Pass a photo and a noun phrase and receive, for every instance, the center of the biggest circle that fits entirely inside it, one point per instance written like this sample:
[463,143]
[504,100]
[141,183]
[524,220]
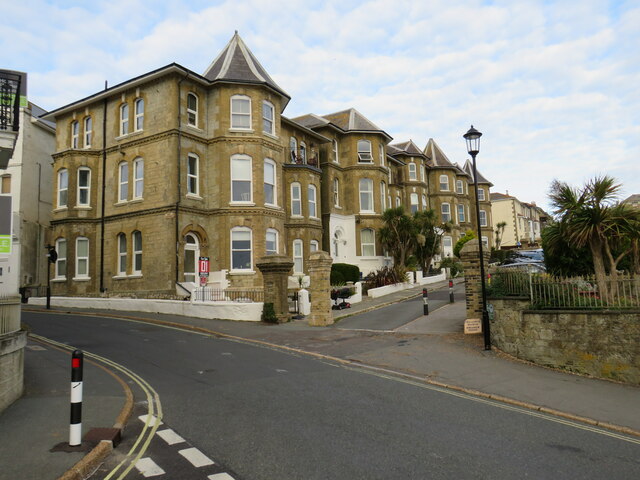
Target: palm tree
[428,233]
[499,232]
[591,217]
[398,234]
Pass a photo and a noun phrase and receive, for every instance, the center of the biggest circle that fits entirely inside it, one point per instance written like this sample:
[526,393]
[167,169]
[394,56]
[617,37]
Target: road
[259,413]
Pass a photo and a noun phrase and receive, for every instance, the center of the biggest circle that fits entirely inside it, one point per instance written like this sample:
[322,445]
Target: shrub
[336,277]
[269,313]
[350,273]
[454,264]
[462,241]
[386,276]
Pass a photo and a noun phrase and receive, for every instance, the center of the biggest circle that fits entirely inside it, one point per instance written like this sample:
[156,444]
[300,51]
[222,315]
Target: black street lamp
[473,147]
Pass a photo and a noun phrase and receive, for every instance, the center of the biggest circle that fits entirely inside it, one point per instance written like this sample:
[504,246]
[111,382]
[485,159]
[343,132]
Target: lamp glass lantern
[473,141]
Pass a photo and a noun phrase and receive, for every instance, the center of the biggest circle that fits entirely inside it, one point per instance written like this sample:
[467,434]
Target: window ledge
[120,277]
[271,205]
[243,204]
[60,209]
[81,279]
[136,200]
[195,127]
[83,207]
[59,279]
[367,212]
[242,130]
[271,135]
[242,272]
[194,196]
[131,134]
[296,216]
[135,275]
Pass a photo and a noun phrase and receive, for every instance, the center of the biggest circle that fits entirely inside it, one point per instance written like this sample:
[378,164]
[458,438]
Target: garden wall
[604,344]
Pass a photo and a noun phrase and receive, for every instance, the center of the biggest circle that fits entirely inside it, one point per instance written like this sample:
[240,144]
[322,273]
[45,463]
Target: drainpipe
[179,190]
[104,176]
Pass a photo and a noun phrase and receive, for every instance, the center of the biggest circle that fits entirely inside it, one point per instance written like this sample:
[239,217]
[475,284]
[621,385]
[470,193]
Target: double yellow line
[154,409]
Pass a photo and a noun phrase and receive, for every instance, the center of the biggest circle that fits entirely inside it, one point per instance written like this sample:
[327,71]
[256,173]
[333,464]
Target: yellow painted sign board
[472,325]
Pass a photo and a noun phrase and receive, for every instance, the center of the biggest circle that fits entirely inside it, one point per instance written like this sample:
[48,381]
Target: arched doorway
[191,255]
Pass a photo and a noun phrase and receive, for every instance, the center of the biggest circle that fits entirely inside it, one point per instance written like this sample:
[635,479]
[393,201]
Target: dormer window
[481,194]
[364,151]
[412,171]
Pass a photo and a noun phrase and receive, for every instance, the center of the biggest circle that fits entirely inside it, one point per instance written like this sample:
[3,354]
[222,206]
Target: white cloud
[553,85]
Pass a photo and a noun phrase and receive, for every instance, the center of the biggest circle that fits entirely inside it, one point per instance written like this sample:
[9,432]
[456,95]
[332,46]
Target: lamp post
[472,138]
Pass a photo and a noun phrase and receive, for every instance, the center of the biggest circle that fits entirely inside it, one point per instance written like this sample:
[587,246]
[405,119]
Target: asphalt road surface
[259,413]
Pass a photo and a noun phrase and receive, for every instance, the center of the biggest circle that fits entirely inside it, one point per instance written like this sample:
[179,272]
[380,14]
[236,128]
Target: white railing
[9,314]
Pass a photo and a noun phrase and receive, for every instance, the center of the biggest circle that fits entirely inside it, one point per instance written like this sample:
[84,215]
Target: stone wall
[604,344]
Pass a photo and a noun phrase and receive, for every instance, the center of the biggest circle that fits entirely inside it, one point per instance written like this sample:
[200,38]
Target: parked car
[533,267]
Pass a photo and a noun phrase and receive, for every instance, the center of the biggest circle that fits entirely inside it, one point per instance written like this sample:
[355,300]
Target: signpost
[203,271]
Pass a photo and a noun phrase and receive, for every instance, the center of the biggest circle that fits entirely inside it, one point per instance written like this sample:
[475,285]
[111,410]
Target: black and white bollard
[425,300]
[75,428]
[450,291]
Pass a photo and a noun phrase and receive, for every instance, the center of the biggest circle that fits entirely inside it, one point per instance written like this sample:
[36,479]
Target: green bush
[269,313]
[350,273]
[337,278]
[462,241]
[454,264]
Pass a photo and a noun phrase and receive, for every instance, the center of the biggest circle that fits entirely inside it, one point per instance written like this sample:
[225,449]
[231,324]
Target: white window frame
[447,245]
[138,114]
[83,188]
[445,215]
[485,241]
[422,179]
[124,119]
[63,188]
[365,189]
[398,202]
[296,199]
[381,154]
[368,249]
[461,216]
[481,194]
[444,185]
[270,170]
[413,173]
[61,262]
[298,256]
[75,134]
[122,254]
[274,234]
[239,160]
[483,218]
[336,158]
[136,260]
[383,196]
[364,153]
[293,149]
[241,230]
[424,202]
[193,178]
[268,120]
[79,259]
[123,184]
[414,204]
[336,192]
[192,113]
[459,187]
[312,198]
[194,247]
[236,116]
[314,246]
[88,131]
[138,178]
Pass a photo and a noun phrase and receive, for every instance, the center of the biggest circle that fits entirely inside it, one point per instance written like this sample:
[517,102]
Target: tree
[591,217]
[499,233]
[428,233]
[562,259]
[398,234]
[467,237]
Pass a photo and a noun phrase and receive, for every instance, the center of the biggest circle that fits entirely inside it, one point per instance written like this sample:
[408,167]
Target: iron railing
[10,86]
[546,291]
[240,295]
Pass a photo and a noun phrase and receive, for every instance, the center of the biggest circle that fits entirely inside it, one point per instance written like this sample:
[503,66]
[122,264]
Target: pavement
[430,349]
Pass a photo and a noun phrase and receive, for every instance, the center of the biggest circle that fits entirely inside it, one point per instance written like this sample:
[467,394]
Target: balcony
[11,95]
[311,160]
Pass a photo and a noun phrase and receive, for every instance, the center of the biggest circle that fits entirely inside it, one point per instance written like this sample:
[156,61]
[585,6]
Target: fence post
[75,427]
[425,301]
[530,286]
[450,291]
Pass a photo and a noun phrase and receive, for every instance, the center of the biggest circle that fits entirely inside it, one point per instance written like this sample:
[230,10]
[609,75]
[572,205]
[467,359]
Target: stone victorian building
[157,171]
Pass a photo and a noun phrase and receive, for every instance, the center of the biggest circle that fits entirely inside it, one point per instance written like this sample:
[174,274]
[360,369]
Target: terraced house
[157,171]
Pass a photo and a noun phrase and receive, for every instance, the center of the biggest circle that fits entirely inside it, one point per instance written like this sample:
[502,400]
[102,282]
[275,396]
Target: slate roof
[436,156]
[633,199]
[350,120]
[468,168]
[236,63]
[496,196]
[407,148]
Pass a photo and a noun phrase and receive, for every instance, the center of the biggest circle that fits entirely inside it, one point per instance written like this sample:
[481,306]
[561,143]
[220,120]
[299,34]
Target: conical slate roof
[468,168]
[236,63]
[408,148]
[436,156]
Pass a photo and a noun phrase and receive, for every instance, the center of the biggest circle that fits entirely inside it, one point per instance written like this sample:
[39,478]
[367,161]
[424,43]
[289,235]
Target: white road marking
[279,370]
[220,476]
[170,436]
[196,457]
[150,419]
[36,348]
[148,467]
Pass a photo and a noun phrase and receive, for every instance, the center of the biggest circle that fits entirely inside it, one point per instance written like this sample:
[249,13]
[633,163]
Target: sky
[554,86]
